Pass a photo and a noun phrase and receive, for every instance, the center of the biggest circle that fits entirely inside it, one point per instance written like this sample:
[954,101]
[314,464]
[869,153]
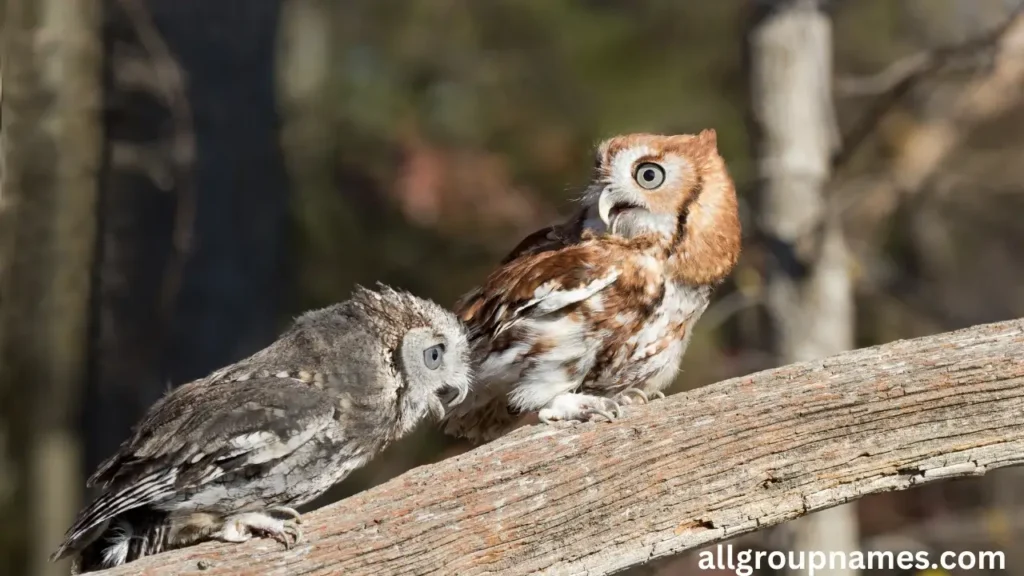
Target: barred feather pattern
[276,429]
[140,532]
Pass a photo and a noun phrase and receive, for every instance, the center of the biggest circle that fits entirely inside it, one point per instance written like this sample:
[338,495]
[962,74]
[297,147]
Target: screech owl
[231,455]
[597,311]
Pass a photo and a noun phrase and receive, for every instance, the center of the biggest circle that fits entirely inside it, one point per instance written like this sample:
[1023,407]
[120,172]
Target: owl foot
[242,527]
[579,407]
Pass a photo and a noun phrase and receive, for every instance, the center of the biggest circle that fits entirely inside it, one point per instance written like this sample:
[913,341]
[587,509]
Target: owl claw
[609,416]
[579,407]
[636,395]
[625,396]
[291,513]
[242,527]
[292,530]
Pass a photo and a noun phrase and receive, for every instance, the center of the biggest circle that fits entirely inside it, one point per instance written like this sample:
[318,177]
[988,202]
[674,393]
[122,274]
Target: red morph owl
[596,312]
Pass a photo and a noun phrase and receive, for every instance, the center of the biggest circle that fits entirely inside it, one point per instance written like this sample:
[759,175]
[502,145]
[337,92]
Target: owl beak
[446,398]
[451,396]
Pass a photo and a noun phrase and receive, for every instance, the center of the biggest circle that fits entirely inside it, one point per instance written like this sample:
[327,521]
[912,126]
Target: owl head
[427,348]
[646,183]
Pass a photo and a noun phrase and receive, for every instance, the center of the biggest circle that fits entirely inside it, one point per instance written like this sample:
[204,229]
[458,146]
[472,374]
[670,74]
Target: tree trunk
[194,203]
[811,299]
[680,473]
[51,135]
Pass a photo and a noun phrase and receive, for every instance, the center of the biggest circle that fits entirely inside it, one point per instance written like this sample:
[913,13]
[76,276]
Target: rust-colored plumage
[596,311]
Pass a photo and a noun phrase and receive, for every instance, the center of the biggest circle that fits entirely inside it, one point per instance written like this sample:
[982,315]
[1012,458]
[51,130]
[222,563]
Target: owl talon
[291,513]
[625,396]
[657,395]
[291,530]
[579,407]
[242,527]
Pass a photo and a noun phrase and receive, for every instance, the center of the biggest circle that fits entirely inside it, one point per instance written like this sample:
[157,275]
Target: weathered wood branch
[686,471]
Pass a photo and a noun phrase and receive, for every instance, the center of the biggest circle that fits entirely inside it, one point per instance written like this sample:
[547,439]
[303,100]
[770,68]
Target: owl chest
[647,349]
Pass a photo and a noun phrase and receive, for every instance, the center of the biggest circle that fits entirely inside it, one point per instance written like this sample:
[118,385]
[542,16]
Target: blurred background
[183,177]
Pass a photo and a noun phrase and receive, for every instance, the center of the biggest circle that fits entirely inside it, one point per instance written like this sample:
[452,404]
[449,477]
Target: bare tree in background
[950,185]
[193,207]
[809,293]
[145,213]
[7,480]
[51,137]
[135,263]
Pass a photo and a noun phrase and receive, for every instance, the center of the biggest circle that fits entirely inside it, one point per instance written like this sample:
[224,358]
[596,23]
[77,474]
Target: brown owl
[597,311]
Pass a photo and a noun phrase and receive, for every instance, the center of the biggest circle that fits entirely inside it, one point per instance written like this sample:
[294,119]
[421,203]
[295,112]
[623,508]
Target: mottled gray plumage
[232,454]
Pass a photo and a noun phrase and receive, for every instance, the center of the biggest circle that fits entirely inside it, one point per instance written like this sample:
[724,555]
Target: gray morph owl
[231,455]
[596,312]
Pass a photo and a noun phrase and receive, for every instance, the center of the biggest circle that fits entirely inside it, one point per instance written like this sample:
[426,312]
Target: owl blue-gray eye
[649,175]
[432,356]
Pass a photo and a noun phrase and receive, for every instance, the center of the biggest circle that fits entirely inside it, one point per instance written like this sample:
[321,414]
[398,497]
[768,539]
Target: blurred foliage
[474,135]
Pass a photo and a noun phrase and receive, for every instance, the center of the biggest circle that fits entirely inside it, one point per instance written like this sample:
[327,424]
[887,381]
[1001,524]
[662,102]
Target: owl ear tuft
[709,138]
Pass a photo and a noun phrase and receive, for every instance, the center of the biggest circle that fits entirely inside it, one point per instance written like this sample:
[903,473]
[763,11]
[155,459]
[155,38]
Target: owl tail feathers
[126,537]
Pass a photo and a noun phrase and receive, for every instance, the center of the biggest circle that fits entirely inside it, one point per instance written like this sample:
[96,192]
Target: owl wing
[537,284]
[198,433]
[551,238]
[591,275]
[542,240]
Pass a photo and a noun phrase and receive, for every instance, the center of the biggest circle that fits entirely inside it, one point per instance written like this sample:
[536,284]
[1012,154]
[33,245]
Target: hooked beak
[448,397]
[611,203]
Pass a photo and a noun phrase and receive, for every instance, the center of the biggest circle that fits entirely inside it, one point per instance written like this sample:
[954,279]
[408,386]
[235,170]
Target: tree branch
[898,79]
[686,471]
[171,164]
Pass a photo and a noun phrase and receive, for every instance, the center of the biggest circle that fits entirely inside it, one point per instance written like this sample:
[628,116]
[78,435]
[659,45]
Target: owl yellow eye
[649,175]
[432,356]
